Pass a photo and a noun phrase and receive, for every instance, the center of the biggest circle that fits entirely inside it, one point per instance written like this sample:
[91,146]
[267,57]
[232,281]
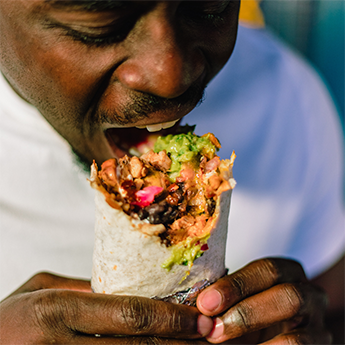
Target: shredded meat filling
[183,207]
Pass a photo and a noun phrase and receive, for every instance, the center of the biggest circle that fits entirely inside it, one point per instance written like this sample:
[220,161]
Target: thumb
[46,280]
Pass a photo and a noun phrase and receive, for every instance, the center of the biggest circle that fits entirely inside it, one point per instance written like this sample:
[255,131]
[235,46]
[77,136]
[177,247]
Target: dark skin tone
[332,281]
[86,69]
[85,66]
[269,301]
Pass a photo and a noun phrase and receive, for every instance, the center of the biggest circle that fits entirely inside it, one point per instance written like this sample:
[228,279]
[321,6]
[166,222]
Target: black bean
[169,215]
[161,196]
[167,211]
[179,194]
[142,213]
[154,219]
[211,206]
[155,209]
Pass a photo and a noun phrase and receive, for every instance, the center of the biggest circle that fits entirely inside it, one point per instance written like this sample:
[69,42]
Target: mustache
[141,105]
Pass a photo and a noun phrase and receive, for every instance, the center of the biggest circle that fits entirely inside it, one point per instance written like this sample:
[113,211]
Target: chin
[81,162]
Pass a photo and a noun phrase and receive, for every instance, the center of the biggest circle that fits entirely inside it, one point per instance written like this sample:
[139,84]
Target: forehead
[41,6]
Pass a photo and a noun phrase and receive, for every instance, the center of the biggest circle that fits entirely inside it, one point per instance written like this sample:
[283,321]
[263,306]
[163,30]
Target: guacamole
[186,148]
[186,252]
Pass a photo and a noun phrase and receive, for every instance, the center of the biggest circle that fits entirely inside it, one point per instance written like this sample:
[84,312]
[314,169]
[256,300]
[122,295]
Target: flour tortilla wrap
[130,257]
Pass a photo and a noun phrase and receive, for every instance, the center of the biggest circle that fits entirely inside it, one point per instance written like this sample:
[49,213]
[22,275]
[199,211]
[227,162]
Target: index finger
[91,313]
[257,276]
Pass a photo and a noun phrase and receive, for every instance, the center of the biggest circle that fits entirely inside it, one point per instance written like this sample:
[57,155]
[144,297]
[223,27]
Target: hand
[270,297]
[52,309]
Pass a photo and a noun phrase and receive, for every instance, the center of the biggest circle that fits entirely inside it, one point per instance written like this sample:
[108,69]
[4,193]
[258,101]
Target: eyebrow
[88,5]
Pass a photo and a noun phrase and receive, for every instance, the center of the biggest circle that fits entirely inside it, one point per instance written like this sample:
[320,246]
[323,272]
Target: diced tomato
[204,247]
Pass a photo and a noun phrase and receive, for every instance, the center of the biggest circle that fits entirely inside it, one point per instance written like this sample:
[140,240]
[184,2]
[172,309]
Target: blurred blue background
[316,29]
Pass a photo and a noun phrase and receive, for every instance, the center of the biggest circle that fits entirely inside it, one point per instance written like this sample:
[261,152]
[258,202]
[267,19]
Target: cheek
[46,70]
[65,72]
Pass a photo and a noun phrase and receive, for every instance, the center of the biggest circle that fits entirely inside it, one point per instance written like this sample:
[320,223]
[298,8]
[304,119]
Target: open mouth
[136,141]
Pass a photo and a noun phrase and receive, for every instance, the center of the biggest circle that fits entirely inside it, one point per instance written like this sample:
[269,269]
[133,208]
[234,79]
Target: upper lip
[157,110]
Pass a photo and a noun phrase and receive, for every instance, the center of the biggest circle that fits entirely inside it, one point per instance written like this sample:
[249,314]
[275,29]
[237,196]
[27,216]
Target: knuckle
[43,307]
[239,286]
[144,317]
[268,272]
[175,322]
[243,316]
[263,272]
[293,299]
[49,313]
[270,265]
[137,317]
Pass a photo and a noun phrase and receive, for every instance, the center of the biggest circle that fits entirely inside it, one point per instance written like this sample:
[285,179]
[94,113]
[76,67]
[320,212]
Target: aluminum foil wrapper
[188,296]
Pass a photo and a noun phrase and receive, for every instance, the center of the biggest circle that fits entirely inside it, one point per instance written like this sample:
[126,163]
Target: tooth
[168,124]
[158,126]
[134,152]
[154,128]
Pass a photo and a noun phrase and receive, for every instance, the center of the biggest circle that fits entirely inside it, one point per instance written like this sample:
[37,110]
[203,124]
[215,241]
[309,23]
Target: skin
[269,301]
[272,295]
[49,309]
[332,281]
[162,60]
[84,88]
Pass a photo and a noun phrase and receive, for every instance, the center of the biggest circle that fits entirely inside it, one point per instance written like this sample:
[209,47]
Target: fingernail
[211,300]
[217,331]
[205,325]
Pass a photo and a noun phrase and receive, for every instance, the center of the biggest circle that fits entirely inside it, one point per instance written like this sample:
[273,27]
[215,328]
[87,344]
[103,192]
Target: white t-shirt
[270,107]
[46,204]
[266,104]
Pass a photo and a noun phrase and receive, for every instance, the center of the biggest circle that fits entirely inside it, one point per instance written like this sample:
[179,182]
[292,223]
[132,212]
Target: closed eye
[96,36]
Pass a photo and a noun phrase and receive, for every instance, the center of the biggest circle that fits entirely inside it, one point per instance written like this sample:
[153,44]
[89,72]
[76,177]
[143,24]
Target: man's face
[92,66]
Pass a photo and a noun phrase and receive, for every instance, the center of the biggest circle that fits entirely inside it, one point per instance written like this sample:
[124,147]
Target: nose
[160,62]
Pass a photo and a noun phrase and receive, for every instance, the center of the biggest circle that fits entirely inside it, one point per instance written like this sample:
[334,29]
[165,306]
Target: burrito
[162,219]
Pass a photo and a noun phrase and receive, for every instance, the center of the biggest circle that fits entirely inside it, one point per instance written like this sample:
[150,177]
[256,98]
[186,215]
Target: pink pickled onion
[146,195]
